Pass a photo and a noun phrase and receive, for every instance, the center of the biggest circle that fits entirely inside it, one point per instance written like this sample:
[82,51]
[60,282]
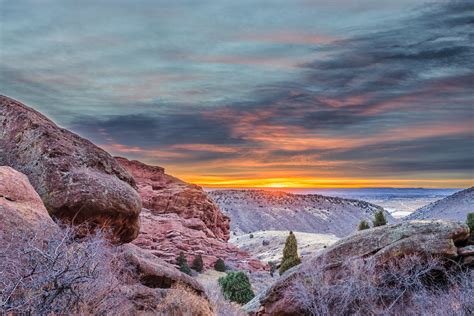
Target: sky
[295,93]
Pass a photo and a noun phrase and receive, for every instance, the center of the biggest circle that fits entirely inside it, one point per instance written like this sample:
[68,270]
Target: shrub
[290,254]
[198,264]
[273,267]
[251,236]
[236,287]
[220,265]
[182,300]
[182,262]
[363,225]
[411,285]
[379,219]
[470,223]
[48,273]
[219,304]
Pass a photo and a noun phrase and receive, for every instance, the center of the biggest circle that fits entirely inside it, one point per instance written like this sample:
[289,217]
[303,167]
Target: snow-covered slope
[268,245]
[257,210]
[453,207]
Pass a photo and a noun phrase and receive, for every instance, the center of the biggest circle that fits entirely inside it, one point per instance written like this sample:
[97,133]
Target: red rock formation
[21,208]
[165,194]
[179,216]
[76,180]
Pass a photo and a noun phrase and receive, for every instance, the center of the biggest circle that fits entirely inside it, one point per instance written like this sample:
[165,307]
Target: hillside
[268,245]
[454,207]
[257,210]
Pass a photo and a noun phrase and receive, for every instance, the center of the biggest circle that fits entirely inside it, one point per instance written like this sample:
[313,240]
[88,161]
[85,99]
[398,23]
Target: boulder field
[178,216]
[76,180]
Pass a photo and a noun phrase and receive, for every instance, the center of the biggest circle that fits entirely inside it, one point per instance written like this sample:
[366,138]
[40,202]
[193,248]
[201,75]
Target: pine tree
[236,287]
[198,264]
[182,262]
[470,223]
[363,225]
[379,219]
[290,254]
[220,265]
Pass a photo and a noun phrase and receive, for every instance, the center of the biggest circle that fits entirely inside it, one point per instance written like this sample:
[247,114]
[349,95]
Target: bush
[251,236]
[220,305]
[273,267]
[290,254]
[48,273]
[409,286]
[236,287]
[470,223]
[379,219]
[198,264]
[182,262]
[363,225]
[220,265]
[182,300]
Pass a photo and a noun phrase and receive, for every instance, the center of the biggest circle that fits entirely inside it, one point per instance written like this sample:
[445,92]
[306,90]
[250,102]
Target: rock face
[181,217]
[23,214]
[453,207]
[165,194]
[259,210]
[21,208]
[76,180]
[376,246]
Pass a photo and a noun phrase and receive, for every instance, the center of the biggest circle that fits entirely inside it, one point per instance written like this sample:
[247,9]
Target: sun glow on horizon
[326,183]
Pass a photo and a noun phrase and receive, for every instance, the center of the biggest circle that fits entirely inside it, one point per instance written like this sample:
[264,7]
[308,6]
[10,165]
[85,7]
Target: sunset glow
[298,94]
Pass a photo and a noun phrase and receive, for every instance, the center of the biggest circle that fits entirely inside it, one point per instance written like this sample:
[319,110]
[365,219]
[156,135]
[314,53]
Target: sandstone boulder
[376,246]
[77,181]
[21,208]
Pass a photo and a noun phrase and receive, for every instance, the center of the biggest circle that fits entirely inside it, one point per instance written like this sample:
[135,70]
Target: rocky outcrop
[454,207]
[153,272]
[165,194]
[181,217]
[378,246]
[21,208]
[145,280]
[77,181]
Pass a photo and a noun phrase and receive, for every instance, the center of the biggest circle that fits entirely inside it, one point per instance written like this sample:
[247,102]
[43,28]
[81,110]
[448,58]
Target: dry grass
[183,301]
[53,273]
[409,286]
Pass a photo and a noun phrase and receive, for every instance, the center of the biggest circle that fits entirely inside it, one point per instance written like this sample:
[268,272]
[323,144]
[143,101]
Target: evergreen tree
[290,254]
[182,262]
[379,219]
[363,225]
[198,264]
[236,287]
[220,265]
[470,223]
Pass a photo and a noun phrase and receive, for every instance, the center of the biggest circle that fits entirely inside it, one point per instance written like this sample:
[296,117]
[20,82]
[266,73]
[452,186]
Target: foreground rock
[21,208]
[376,246]
[144,281]
[454,207]
[259,210]
[181,217]
[76,180]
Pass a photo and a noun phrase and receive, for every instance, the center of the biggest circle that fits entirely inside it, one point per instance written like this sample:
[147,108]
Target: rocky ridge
[453,207]
[259,210]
